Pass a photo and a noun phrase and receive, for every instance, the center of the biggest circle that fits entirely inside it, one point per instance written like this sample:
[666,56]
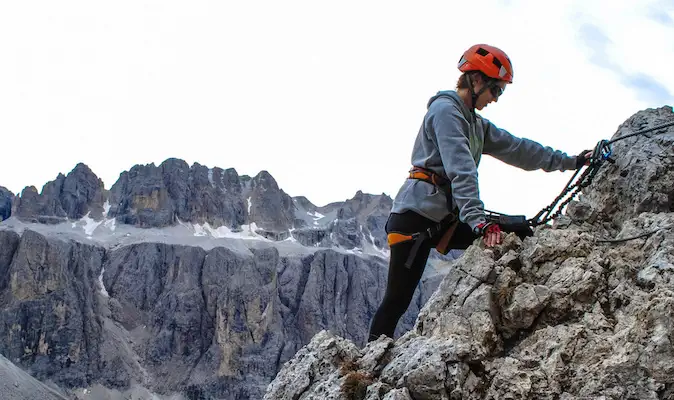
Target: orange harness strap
[395,238]
[429,176]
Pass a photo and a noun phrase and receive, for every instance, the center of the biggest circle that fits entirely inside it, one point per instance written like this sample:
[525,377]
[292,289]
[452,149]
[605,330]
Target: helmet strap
[473,95]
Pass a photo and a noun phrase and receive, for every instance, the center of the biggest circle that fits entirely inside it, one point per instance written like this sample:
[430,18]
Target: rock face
[149,196]
[582,310]
[353,224]
[6,198]
[642,178]
[16,384]
[177,319]
[68,197]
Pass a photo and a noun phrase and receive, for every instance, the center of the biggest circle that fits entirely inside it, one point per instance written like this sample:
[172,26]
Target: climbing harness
[601,153]
[445,227]
[431,177]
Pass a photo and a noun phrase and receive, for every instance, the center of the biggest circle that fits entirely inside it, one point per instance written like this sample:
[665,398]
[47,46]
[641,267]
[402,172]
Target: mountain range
[183,280]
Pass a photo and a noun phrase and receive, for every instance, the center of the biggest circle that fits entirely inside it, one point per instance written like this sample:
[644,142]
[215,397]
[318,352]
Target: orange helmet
[491,60]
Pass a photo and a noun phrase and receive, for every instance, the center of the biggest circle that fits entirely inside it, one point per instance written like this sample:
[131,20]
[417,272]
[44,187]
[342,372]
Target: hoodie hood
[452,95]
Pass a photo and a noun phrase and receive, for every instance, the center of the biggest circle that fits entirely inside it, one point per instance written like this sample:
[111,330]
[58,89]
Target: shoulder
[445,106]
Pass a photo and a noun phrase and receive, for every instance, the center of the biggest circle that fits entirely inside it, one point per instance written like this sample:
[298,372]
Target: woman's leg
[402,281]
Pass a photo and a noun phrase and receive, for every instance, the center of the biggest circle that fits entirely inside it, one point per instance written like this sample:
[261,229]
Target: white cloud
[216,82]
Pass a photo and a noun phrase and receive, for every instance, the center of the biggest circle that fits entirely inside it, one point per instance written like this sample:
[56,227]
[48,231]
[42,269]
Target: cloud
[661,17]
[648,89]
[659,12]
[597,41]
[645,86]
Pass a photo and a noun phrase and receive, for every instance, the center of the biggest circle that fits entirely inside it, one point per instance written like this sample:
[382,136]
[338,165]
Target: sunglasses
[496,90]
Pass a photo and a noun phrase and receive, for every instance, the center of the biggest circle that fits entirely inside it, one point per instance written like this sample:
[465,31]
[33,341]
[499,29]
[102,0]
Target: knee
[395,305]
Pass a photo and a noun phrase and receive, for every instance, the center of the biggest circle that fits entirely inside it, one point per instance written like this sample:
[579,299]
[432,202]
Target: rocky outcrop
[581,310]
[74,196]
[642,178]
[6,198]
[367,211]
[269,206]
[158,196]
[357,223]
[48,305]
[16,384]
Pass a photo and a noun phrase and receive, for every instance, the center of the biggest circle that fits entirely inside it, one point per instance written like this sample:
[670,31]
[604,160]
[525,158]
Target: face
[490,95]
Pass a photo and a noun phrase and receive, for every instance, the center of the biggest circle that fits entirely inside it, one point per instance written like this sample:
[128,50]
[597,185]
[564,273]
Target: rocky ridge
[581,310]
[217,202]
[181,282]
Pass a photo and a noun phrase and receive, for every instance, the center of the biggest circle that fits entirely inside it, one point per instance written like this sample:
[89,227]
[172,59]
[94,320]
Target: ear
[477,81]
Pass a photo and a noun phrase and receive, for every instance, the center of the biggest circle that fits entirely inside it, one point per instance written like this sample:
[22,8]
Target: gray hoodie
[450,142]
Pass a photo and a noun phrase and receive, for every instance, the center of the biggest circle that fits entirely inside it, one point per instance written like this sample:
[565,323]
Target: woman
[443,184]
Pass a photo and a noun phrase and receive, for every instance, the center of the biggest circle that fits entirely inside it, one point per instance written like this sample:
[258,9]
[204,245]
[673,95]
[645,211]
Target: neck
[465,96]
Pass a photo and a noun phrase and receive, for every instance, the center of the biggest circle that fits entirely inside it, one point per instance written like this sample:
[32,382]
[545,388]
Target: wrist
[485,228]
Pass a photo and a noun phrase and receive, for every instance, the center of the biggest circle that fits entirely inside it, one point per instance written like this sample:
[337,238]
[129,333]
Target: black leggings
[403,281]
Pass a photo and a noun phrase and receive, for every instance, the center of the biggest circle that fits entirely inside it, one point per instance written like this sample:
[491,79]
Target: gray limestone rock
[270,207]
[150,196]
[49,302]
[16,384]
[6,198]
[355,224]
[73,196]
[642,178]
[581,310]
[174,319]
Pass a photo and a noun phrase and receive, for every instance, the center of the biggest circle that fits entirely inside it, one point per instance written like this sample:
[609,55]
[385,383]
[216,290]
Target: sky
[327,97]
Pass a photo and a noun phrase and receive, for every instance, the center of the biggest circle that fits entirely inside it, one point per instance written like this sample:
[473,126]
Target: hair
[462,84]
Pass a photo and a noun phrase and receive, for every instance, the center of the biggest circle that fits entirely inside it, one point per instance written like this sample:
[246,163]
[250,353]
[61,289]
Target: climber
[438,205]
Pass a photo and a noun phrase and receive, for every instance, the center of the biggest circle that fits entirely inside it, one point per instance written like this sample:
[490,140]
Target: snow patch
[90,224]
[104,292]
[371,237]
[355,250]
[316,214]
[199,230]
[247,232]
[210,177]
[382,251]
[110,224]
[290,237]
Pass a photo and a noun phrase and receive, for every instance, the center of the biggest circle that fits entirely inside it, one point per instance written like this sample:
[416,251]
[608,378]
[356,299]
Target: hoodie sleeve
[446,126]
[523,153]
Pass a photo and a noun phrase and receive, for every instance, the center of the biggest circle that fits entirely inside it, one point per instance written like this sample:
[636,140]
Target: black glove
[512,223]
[583,159]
